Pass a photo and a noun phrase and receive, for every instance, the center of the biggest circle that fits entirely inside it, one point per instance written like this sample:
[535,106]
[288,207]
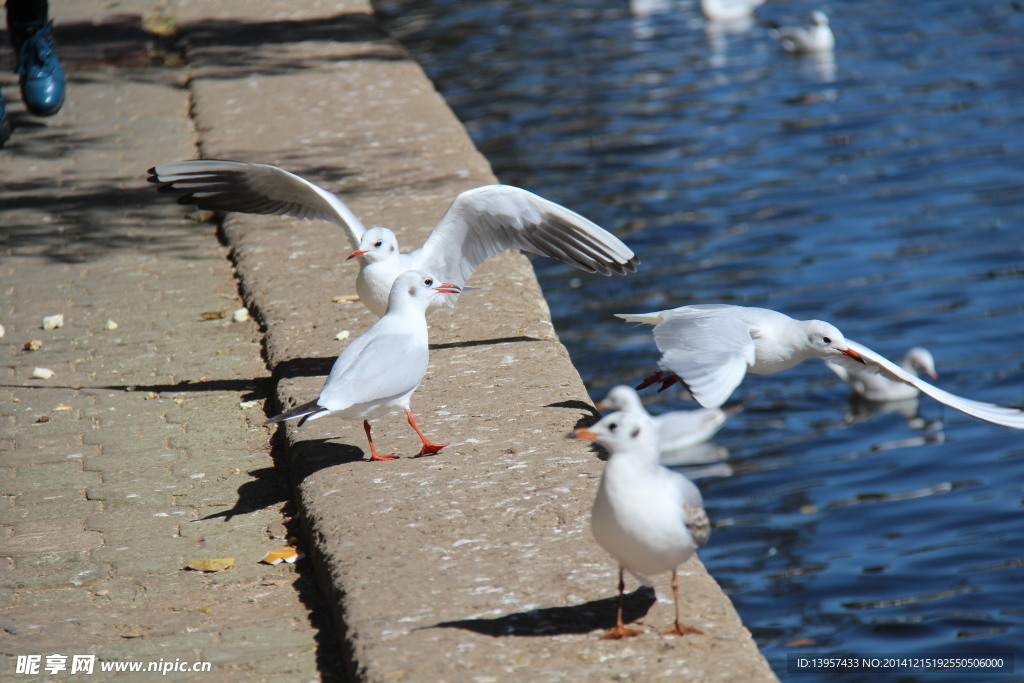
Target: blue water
[883,192]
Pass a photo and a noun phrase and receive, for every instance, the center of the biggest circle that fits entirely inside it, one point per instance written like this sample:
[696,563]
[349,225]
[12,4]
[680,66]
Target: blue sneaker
[40,74]
[5,125]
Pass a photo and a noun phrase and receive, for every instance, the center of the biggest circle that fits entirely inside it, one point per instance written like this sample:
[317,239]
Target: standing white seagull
[874,386]
[379,371]
[710,348]
[678,429]
[480,223]
[649,518]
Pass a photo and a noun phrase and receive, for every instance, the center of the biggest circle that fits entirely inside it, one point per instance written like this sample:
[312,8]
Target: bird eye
[826,340]
[378,243]
[612,427]
[428,282]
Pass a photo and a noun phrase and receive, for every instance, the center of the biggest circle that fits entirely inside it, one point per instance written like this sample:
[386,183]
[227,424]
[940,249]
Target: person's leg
[39,72]
[27,11]
[5,125]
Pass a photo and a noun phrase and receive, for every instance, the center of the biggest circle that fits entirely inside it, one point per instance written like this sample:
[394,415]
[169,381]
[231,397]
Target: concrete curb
[476,564]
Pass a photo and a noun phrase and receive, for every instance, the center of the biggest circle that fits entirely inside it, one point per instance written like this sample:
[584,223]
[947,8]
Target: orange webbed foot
[620,632]
[430,449]
[678,629]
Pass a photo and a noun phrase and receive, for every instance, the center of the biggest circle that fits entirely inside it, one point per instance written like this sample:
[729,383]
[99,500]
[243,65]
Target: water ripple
[881,191]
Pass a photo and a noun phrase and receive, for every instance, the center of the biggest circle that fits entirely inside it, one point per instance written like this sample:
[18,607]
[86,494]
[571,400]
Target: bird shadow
[304,367]
[554,621]
[251,389]
[266,488]
[591,416]
[309,456]
[482,342]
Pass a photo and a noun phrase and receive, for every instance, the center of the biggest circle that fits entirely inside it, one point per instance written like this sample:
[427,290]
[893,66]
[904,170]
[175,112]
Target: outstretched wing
[487,220]
[709,352]
[990,412]
[253,188]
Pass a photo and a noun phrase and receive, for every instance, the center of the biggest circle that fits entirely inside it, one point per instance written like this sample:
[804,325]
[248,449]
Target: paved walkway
[144,450]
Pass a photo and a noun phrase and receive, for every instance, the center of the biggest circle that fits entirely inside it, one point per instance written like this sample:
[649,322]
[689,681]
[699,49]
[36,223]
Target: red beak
[448,288]
[582,433]
[357,253]
[850,353]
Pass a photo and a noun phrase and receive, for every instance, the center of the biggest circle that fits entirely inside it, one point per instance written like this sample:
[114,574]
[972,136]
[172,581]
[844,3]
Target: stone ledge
[478,562]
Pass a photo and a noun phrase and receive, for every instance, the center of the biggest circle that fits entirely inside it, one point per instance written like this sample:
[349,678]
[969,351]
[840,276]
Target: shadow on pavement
[552,621]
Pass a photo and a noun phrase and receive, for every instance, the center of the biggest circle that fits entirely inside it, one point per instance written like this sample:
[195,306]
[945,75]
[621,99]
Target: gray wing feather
[218,185]
[694,515]
[304,411]
[486,221]
[698,524]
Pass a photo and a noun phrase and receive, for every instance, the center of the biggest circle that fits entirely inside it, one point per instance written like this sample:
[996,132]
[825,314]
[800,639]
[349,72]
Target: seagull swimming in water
[875,386]
[480,223]
[677,430]
[815,38]
[729,10]
[379,371]
[710,348]
[649,518]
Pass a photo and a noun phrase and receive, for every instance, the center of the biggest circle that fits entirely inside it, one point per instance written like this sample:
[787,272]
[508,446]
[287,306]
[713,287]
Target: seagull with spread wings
[710,348]
[480,223]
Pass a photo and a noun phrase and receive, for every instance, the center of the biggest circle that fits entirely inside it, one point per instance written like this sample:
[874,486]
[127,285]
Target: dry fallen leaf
[160,24]
[151,395]
[62,407]
[52,322]
[347,298]
[214,315]
[211,565]
[288,554]
[43,418]
[33,345]
[245,405]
